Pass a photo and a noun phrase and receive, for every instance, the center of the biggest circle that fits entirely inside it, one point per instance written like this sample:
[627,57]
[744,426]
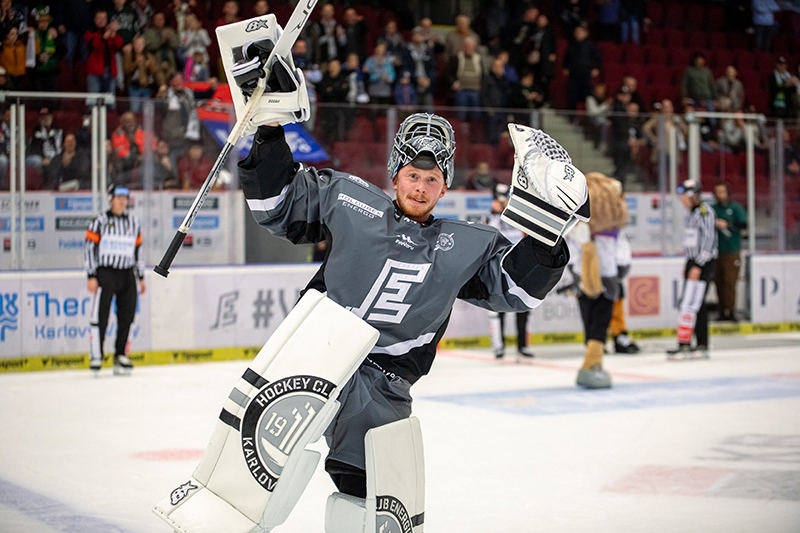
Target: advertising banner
[48,313]
[774,290]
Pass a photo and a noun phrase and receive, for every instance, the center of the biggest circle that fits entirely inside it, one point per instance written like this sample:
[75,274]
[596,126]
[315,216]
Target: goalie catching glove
[246,56]
[548,194]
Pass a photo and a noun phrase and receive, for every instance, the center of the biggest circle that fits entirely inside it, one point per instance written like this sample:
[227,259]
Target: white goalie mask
[424,132]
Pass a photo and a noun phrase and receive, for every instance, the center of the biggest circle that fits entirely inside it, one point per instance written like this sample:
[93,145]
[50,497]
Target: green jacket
[730,240]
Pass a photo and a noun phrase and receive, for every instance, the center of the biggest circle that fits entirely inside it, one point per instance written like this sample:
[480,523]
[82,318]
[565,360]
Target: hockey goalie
[343,362]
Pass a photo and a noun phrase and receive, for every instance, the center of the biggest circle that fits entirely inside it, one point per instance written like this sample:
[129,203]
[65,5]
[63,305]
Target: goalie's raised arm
[548,194]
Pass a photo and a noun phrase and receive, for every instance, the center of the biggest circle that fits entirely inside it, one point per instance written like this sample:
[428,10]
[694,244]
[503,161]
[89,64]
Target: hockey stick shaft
[282,47]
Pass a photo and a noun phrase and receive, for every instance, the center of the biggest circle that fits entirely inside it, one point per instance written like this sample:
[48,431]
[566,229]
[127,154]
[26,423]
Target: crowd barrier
[221,313]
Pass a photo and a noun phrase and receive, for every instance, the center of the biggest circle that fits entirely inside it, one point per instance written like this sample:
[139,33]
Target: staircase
[584,155]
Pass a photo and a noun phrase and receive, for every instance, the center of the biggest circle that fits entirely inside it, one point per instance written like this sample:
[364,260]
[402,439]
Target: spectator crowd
[508,60]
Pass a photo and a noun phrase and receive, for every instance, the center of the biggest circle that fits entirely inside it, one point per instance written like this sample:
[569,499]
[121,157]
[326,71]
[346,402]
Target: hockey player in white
[398,270]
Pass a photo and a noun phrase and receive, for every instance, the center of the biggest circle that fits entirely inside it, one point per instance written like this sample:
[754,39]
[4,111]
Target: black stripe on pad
[541,204]
[254,379]
[230,419]
[418,519]
[534,228]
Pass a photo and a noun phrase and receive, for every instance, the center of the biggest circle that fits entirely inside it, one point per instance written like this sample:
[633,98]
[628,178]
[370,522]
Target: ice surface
[710,446]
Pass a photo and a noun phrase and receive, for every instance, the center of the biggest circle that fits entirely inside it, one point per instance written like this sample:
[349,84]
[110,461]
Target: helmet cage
[424,132]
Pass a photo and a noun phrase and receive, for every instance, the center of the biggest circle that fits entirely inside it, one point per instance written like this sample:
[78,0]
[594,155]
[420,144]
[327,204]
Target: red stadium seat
[679,57]
[731,167]
[377,153]
[612,74]
[479,152]
[740,41]
[674,15]
[610,52]
[361,130]
[709,166]
[721,58]
[715,17]
[717,40]
[697,40]
[751,79]
[634,53]
[744,59]
[674,38]
[655,12]
[660,76]
[656,55]
[695,16]
[655,36]
[350,154]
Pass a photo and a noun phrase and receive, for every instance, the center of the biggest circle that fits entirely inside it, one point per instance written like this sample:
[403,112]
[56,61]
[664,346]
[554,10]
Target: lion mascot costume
[600,257]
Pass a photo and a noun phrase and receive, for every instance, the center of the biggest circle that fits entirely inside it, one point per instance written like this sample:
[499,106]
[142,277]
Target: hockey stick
[283,47]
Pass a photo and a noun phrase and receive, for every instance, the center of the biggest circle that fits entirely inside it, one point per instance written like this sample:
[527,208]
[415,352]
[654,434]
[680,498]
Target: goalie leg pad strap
[282,402]
[693,294]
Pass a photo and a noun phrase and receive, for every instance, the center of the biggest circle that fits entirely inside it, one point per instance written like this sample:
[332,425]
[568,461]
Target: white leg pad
[395,500]
[395,477]
[255,466]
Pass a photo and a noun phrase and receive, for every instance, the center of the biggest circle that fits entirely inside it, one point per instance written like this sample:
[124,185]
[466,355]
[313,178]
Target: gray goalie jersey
[400,276]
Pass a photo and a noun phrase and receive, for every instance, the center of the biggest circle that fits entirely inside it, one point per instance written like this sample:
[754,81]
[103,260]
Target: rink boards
[223,313]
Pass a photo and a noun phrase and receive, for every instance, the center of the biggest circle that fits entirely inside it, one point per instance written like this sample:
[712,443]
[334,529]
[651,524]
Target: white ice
[707,446]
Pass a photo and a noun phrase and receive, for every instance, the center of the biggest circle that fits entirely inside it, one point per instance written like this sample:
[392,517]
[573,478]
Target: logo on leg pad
[275,420]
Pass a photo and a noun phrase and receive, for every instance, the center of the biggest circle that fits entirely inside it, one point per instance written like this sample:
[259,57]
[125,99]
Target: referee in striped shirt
[700,247]
[113,263]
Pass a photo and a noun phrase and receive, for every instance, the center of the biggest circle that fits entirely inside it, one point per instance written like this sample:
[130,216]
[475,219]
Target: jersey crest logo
[445,242]
[385,301]
[255,25]
[569,173]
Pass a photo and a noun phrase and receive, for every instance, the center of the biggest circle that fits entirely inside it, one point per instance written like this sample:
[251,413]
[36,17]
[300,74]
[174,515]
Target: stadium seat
[751,79]
[721,58]
[350,154]
[655,12]
[697,40]
[680,57]
[717,40]
[660,76]
[655,36]
[675,15]
[715,17]
[656,55]
[740,41]
[744,59]
[479,152]
[674,38]
[731,166]
[610,52]
[695,16]
[361,130]
[633,53]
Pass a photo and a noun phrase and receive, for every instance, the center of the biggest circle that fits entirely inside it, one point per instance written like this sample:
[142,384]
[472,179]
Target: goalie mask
[424,133]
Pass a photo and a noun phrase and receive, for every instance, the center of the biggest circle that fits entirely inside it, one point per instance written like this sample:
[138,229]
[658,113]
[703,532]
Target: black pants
[596,315]
[122,284]
[701,323]
[522,328]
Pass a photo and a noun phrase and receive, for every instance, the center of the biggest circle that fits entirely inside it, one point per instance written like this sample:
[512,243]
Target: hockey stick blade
[283,47]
